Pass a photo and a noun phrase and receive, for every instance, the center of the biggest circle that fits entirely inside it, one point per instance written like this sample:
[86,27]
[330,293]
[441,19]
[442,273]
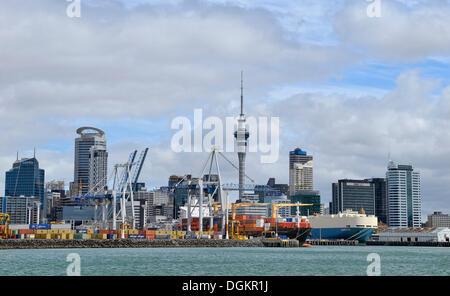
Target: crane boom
[275,207]
[138,168]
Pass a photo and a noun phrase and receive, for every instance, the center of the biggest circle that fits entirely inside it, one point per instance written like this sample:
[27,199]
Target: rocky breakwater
[125,243]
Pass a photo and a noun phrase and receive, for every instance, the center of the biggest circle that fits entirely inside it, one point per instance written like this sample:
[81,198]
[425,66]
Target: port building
[21,209]
[435,234]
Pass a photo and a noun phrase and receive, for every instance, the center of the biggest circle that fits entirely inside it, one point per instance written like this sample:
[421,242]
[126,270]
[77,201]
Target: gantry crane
[4,220]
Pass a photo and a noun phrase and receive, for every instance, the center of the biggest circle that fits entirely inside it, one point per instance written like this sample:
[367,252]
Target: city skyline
[347,99]
[296,156]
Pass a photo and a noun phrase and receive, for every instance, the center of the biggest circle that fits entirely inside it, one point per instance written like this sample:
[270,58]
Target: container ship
[243,227]
[290,228]
[348,225]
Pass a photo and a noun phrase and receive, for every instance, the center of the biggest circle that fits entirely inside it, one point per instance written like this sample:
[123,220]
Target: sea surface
[314,261]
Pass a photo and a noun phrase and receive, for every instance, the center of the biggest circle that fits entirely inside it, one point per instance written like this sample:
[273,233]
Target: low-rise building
[437,219]
[439,234]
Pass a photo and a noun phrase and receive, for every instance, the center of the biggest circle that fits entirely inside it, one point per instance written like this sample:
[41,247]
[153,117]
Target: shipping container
[18,226]
[40,226]
[60,226]
[79,236]
[26,231]
[136,236]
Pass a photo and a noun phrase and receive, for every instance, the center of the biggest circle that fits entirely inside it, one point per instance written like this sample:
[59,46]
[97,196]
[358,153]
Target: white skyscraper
[404,197]
[98,168]
[90,152]
[300,171]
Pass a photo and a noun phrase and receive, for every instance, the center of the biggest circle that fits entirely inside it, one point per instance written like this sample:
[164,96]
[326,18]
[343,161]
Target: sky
[351,90]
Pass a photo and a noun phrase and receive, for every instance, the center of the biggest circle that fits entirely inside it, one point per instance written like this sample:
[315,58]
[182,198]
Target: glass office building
[404,196]
[353,195]
[25,178]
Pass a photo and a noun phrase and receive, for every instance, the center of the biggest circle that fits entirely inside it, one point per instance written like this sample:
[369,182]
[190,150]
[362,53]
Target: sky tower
[241,135]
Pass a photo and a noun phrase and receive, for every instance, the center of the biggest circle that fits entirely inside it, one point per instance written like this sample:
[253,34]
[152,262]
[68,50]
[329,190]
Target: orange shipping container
[26,231]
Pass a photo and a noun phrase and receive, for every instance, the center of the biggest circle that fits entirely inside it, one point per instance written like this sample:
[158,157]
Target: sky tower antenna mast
[241,135]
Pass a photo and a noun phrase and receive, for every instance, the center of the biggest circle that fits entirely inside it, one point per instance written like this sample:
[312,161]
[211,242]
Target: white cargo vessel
[348,225]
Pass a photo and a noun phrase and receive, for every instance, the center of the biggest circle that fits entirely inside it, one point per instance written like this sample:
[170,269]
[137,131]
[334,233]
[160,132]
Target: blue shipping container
[40,226]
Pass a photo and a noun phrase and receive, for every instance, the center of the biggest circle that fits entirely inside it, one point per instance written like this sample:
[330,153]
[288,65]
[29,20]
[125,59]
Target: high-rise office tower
[24,191]
[380,198]
[25,178]
[300,171]
[98,168]
[91,159]
[353,195]
[241,135]
[404,197]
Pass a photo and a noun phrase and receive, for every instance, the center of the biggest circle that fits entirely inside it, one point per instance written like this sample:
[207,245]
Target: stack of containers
[150,234]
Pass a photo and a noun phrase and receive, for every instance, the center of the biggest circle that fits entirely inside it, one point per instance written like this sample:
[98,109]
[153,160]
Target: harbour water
[314,261]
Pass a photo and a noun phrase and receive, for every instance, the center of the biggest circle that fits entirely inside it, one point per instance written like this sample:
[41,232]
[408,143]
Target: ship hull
[300,234]
[354,233]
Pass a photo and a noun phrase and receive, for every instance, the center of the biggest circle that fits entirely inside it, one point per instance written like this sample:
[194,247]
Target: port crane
[4,221]
[276,206]
[220,207]
[124,179]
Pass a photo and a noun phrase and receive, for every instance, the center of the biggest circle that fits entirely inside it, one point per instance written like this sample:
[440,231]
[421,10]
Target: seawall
[125,243]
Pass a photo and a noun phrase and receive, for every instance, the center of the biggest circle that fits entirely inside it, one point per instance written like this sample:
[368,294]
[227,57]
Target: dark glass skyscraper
[25,179]
[353,195]
[306,197]
[380,199]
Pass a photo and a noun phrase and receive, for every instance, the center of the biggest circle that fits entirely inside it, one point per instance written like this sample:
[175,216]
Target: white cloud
[351,137]
[401,33]
[161,61]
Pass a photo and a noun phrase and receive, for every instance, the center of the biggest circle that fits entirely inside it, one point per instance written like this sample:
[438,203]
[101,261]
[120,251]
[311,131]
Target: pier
[281,243]
[317,242]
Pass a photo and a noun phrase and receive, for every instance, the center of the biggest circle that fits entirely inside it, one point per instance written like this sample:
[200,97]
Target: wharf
[278,243]
[410,244]
[317,242]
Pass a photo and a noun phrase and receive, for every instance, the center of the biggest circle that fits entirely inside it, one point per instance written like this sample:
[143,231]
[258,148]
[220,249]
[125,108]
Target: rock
[125,243]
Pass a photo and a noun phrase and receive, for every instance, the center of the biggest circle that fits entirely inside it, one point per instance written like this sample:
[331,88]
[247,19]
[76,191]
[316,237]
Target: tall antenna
[242,93]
